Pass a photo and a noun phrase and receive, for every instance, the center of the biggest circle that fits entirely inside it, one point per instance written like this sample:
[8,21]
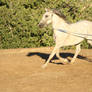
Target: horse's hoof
[44,66]
[65,61]
[72,62]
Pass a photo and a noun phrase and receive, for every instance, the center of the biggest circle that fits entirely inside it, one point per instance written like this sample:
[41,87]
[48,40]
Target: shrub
[19,21]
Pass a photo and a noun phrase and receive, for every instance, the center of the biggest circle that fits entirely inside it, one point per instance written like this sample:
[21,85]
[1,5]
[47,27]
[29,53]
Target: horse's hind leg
[76,53]
[63,61]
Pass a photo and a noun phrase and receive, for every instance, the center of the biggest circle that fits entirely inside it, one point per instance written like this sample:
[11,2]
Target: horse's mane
[60,14]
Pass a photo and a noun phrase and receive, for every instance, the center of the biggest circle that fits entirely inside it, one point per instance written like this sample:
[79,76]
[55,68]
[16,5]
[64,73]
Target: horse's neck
[59,23]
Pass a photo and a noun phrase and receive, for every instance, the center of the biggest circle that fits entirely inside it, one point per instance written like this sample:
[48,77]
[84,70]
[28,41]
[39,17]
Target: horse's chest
[59,36]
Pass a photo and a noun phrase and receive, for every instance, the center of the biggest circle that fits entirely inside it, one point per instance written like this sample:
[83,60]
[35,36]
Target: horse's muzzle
[41,25]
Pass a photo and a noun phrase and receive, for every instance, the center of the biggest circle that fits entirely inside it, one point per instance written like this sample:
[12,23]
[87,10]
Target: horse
[62,33]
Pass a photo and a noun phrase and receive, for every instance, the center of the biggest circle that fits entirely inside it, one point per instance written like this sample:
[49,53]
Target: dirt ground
[21,71]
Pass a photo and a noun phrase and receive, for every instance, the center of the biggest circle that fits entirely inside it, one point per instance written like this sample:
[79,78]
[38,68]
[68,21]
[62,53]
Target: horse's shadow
[63,55]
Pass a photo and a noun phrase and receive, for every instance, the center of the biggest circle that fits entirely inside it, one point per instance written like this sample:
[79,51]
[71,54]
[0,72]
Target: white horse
[59,24]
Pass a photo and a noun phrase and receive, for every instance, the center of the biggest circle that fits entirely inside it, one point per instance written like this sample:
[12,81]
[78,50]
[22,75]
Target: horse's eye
[46,16]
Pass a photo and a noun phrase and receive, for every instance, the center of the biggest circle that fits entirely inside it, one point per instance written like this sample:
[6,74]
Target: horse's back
[80,27]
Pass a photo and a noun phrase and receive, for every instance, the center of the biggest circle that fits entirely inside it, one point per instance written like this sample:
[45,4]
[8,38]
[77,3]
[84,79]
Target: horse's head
[46,19]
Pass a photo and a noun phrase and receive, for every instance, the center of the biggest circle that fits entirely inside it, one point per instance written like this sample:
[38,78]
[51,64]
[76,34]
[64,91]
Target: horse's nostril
[40,25]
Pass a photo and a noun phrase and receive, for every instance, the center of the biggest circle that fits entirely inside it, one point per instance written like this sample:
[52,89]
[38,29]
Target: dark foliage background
[19,21]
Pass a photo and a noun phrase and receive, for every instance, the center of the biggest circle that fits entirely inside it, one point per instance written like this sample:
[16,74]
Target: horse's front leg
[76,53]
[50,57]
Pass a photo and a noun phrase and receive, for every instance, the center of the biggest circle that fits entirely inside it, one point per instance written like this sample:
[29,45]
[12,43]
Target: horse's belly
[68,40]
[73,40]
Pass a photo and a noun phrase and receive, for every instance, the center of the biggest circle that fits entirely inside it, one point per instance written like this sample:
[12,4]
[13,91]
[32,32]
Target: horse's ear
[47,9]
